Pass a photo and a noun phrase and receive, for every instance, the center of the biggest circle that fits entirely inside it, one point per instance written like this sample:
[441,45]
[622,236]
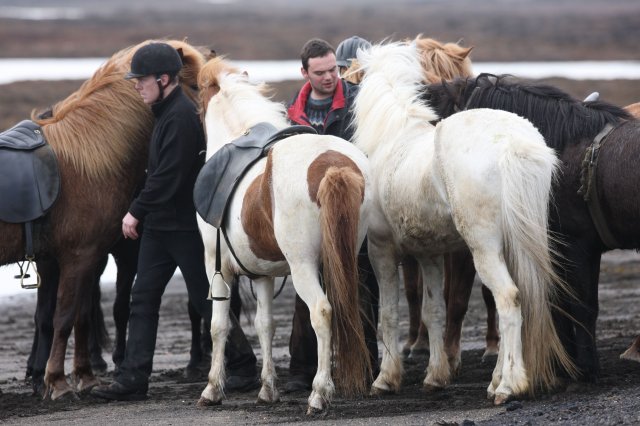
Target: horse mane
[560,118]
[443,60]
[105,122]
[227,95]
[389,95]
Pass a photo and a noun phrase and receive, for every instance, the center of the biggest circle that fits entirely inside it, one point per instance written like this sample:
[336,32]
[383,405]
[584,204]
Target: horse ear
[465,52]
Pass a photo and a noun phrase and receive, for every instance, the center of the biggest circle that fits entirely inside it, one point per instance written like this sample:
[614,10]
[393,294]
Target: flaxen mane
[105,120]
[443,61]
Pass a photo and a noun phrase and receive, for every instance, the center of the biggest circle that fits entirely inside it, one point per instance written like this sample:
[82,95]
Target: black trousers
[303,345]
[160,253]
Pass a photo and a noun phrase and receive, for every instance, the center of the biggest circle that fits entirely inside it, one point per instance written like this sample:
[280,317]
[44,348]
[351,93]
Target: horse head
[443,60]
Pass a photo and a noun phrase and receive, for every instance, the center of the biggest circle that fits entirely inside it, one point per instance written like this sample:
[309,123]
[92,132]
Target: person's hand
[129,225]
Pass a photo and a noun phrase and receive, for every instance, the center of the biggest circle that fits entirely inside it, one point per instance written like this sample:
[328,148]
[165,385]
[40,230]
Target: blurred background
[501,31]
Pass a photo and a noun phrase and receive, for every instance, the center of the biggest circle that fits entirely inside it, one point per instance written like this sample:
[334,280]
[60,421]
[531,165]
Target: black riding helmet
[155,59]
[347,50]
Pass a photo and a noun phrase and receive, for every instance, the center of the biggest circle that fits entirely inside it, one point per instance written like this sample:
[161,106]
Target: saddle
[30,181]
[220,175]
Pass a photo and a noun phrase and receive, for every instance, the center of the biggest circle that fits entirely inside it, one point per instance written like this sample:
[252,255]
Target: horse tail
[526,181]
[340,196]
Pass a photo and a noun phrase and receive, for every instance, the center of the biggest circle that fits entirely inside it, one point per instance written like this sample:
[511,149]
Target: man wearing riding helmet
[170,236]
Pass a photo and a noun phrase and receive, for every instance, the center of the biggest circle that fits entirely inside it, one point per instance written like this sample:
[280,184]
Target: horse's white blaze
[481,178]
[294,224]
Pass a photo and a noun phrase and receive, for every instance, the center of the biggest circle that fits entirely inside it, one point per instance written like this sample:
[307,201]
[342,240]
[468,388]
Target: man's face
[322,74]
[148,88]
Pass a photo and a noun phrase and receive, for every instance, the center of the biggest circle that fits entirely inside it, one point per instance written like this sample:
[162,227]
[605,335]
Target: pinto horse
[306,204]
[479,178]
[570,127]
[100,136]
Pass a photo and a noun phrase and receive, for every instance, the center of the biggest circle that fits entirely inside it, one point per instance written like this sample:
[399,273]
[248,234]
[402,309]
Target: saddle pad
[219,176]
[30,181]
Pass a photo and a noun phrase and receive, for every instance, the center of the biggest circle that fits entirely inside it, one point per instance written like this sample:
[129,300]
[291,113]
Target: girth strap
[589,187]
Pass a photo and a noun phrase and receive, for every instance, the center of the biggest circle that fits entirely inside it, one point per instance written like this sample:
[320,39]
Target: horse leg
[45,308]
[75,272]
[434,312]
[98,336]
[459,275]
[581,272]
[493,336]
[125,255]
[214,391]
[633,353]
[305,281]
[509,378]
[265,328]
[384,263]
[417,344]
[412,280]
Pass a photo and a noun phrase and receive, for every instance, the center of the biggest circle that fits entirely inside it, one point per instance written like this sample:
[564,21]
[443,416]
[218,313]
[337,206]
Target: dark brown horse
[100,136]
[580,134]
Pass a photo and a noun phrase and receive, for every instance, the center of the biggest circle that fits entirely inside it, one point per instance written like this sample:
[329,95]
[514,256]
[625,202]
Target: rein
[589,187]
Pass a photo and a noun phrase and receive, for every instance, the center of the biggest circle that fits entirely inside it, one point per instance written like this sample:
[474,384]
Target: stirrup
[24,273]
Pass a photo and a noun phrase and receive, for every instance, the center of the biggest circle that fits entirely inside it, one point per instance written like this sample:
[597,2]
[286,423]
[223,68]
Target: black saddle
[30,181]
[219,176]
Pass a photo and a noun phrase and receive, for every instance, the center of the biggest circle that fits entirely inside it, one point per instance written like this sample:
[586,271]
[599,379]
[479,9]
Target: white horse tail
[340,196]
[526,181]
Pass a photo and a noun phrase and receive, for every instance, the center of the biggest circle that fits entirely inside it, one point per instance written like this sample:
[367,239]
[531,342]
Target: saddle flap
[219,176]
[25,135]
[30,181]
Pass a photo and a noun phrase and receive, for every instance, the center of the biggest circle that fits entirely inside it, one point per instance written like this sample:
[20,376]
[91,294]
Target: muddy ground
[615,400]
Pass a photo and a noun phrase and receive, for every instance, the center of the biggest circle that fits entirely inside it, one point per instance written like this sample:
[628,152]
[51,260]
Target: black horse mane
[560,118]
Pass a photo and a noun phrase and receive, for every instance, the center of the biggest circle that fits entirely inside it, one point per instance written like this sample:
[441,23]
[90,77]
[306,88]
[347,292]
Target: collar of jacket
[296,109]
[159,107]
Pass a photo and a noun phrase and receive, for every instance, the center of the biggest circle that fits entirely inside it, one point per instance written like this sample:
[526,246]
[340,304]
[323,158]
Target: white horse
[304,205]
[480,178]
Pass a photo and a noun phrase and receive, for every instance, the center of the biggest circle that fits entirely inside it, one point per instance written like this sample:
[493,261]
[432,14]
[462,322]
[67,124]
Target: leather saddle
[220,175]
[30,181]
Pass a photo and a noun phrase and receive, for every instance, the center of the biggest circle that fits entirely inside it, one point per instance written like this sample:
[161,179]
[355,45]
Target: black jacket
[176,154]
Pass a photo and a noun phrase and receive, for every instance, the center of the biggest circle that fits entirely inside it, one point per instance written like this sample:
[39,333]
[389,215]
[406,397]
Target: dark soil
[614,400]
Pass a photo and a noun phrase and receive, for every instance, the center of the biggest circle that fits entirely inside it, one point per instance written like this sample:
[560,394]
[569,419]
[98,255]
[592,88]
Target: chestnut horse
[305,205]
[100,136]
[572,128]
[480,179]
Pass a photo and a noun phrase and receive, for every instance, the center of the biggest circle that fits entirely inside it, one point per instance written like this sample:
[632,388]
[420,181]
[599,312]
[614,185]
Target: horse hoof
[489,354]
[431,388]
[376,391]
[317,412]
[501,399]
[63,395]
[631,355]
[204,402]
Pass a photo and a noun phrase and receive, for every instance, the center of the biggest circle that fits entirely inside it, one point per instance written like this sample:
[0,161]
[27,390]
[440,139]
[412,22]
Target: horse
[570,127]
[444,61]
[304,205]
[100,136]
[437,189]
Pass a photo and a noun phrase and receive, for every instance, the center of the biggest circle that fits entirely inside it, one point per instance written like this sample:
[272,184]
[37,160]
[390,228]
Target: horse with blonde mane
[100,136]
[305,205]
[480,179]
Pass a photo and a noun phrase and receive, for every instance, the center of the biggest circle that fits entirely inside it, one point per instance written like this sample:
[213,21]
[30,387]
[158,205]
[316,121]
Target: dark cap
[156,59]
[347,50]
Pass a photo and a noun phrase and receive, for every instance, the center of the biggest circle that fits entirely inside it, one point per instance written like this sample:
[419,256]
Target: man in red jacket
[324,102]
